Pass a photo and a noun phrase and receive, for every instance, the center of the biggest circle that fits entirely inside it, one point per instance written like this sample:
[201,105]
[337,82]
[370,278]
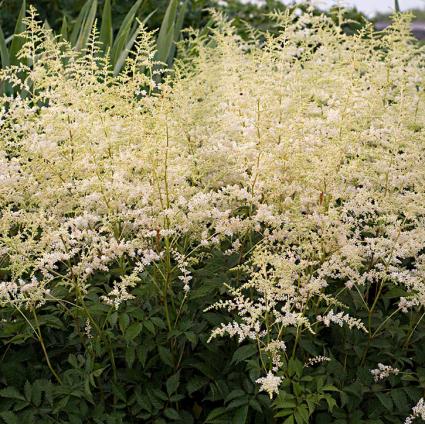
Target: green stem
[43,347]
[406,343]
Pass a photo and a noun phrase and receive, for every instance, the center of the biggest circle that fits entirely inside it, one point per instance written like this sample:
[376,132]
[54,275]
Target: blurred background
[251,11]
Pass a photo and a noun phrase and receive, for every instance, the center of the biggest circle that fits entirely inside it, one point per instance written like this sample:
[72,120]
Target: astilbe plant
[301,155]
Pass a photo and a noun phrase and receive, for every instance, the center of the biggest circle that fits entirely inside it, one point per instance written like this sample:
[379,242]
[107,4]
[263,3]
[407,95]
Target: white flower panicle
[340,318]
[383,371]
[269,384]
[418,411]
[316,360]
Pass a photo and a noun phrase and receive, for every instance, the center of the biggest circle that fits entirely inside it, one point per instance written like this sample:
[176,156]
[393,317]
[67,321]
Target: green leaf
[331,402]
[177,32]
[385,400]
[11,393]
[133,331]
[79,23]
[166,356]
[329,388]
[36,393]
[295,367]
[149,326]
[64,29]
[400,399]
[301,414]
[243,352]
[126,50]
[4,52]
[130,356]
[86,26]
[122,37]
[17,41]
[9,417]
[123,321]
[215,413]
[241,415]
[27,390]
[195,383]
[234,394]
[173,383]
[172,414]
[289,420]
[119,392]
[165,38]
[106,32]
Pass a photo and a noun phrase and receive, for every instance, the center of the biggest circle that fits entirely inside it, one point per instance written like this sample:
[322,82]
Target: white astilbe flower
[383,371]
[269,384]
[418,411]
[316,360]
[340,318]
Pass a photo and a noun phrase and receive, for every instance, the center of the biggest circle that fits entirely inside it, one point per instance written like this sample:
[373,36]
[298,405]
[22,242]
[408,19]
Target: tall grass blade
[124,33]
[124,53]
[64,28]
[18,42]
[177,32]
[79,23]
[166,33]
[87,26]
[4,52]
[106,31]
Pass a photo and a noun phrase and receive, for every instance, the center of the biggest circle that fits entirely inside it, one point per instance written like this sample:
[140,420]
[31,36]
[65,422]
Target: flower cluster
[418,411]
[269,384]
[300,154]
[383,371]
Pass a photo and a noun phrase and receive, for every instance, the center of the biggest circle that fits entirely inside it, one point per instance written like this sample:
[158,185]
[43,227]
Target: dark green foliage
[197,15]
[135,368]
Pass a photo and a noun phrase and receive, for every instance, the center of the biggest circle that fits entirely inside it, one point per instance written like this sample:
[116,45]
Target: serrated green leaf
[166,356]
[215,413]
[243,353]
[240,415]
[301,414]
[149,326]
[36,393]
[9,417]
[130,356]
[400,399]
[195,383]
[172,414]
[385,401]
[123,321]
[173,383]
[11,393]
[295,367]
[133,331]
[289,420]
